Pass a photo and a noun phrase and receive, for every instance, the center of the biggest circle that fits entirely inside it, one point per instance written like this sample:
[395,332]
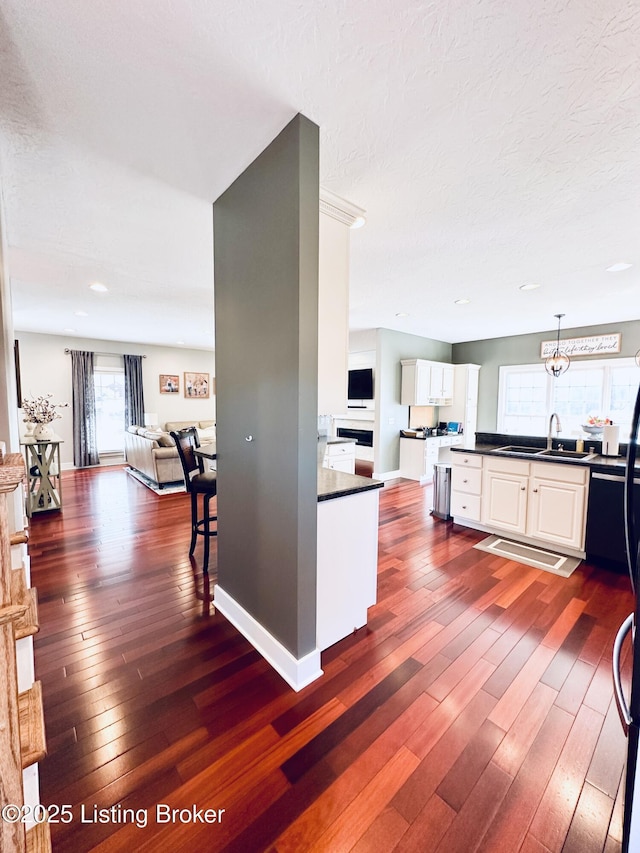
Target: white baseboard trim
[387,475]
[545,545]
[297,672]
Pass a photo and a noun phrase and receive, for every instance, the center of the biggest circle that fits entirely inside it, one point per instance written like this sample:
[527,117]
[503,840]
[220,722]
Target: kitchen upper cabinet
[464,406]
[441,381]
[426,383]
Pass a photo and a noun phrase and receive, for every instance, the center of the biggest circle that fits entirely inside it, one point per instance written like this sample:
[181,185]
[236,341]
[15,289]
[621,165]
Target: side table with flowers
[42,450]
[41,412]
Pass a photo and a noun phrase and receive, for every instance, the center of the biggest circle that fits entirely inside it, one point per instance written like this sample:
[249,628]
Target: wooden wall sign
[575,347]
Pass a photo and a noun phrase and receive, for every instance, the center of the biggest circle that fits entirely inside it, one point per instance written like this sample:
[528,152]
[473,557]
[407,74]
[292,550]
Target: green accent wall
[266,318]
[525,349]
[391,348]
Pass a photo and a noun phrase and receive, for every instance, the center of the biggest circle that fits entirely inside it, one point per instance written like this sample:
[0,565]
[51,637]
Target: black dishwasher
[605,519]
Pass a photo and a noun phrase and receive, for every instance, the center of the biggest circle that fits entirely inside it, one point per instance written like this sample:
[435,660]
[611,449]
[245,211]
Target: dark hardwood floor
[474,713]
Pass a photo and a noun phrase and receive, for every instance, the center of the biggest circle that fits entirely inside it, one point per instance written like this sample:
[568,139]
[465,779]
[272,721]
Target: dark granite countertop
[486,443]
[339,484]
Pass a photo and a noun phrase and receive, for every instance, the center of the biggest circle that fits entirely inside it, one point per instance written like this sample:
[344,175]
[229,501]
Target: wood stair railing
[22,737]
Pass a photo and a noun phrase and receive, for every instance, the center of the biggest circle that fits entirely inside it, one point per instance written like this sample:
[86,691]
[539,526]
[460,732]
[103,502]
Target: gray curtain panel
[133,395]
[85,448]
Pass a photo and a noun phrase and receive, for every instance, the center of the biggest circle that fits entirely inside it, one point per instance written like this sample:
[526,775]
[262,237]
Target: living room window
[603,387]
[110,402]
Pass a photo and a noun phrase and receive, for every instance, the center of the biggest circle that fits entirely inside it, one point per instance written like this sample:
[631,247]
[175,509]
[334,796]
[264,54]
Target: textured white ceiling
[493,143]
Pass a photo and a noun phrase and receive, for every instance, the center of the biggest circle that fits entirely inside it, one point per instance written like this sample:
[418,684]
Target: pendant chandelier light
[558,363]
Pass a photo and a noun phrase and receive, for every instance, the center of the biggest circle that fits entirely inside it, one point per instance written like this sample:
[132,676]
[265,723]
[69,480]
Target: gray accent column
[266,319]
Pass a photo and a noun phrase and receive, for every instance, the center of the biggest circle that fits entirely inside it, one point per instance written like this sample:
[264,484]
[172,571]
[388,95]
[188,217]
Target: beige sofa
[152,451]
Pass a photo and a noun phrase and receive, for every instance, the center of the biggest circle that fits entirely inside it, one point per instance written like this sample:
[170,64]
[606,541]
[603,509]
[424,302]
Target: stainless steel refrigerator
[630,708]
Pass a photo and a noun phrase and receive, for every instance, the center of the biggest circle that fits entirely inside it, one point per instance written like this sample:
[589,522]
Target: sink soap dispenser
[580,445]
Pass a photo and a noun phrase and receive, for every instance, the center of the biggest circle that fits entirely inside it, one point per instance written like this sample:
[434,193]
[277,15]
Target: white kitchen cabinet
[539,502]
[418,456]
[441,380]
[466,486]
[557,504]
[504,502]
[464,406]
[426,383]
[341,456]
[347,575]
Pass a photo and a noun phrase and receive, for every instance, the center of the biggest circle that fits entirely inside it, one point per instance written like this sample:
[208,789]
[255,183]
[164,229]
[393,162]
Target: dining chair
[198,482]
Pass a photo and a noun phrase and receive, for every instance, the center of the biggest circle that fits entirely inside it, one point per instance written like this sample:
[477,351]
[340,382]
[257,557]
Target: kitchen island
[347,549]
[346,575]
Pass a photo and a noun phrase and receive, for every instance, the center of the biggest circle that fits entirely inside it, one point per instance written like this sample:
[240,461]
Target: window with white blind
[605,388]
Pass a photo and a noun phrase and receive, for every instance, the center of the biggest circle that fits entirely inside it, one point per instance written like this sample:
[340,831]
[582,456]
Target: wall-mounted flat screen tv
[360,385]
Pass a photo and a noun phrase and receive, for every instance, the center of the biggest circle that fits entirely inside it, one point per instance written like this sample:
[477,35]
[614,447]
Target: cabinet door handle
[465,481]
[464,506]
[522,489]
[535,490]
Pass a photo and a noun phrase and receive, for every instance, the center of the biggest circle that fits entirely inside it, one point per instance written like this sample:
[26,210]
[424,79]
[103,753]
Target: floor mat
[169,489]
[530,555]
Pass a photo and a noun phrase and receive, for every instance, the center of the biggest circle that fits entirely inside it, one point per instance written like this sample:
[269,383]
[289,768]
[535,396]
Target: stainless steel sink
[517,450]
[565,454]
[513,448]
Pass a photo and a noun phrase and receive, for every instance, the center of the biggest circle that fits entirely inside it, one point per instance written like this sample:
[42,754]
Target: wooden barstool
[198,482]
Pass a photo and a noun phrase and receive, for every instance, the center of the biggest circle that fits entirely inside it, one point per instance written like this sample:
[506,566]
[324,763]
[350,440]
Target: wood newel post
[12,835]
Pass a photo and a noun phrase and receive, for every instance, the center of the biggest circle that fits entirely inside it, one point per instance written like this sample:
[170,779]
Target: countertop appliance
[630,711]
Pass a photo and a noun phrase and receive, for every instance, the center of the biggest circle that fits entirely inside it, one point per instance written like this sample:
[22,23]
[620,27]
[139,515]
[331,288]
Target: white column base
[297,672]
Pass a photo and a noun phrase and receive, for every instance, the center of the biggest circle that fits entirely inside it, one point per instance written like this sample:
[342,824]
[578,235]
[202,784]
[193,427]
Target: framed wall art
[196,385]
[169,383]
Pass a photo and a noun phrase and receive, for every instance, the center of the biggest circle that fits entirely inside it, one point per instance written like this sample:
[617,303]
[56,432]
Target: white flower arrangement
[41,410]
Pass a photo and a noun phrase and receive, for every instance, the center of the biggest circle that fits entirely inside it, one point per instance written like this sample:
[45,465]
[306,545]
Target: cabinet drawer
[468,480]
[469,460]
[341,463]
[565,473]
[344,448]
[516,467]
[465,506]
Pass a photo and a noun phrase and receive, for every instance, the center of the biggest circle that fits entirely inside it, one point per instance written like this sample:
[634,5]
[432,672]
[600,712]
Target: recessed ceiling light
[180,343]
[358,222]
[402,314]
[531,286]
[70,331]
[98,288]
[619,267]
[81,313]
[462,301]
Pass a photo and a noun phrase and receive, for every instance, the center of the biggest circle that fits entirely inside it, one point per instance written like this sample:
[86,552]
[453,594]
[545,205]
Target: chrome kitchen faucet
[558,429]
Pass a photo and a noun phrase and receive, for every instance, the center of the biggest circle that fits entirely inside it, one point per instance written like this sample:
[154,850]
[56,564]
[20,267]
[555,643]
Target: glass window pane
[605,388]
[109,411]
[623,391]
